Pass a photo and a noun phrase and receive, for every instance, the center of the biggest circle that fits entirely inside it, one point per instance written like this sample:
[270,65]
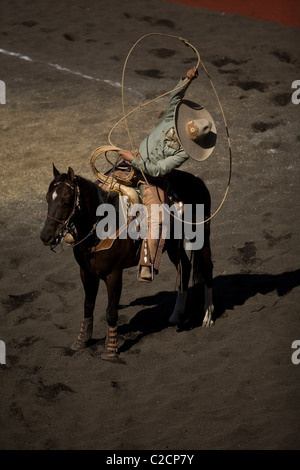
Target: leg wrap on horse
[111,343]
[85,334]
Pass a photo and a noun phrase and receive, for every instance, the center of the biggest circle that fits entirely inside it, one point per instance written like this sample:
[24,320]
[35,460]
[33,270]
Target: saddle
[124,180]
[119,180]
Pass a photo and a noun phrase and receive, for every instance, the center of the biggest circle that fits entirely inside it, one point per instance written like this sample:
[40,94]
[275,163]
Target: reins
[112,147]
[56,220]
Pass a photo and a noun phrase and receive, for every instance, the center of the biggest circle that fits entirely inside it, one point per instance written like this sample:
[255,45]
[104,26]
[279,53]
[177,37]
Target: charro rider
[187,130]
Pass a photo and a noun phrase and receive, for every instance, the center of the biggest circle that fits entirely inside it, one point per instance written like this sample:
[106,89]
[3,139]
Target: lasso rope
[112,147]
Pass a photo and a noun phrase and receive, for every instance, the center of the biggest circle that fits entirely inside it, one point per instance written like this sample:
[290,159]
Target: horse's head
[62,198]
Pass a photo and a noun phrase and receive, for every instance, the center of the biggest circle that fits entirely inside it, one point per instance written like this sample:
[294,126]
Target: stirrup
[149,272]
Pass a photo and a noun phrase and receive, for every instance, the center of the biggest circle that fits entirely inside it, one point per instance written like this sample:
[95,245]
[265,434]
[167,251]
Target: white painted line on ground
[61,68]
[16,54]
[89,77]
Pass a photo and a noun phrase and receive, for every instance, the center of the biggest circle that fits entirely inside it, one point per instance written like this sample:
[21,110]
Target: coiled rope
[112,147]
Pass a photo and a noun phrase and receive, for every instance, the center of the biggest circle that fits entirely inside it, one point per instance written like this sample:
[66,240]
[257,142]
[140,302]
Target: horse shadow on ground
[229,291]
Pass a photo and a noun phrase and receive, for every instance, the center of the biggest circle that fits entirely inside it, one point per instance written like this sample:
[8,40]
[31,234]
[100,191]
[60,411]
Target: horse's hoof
[110,356]
[208,318]
[174,318]
[78,345]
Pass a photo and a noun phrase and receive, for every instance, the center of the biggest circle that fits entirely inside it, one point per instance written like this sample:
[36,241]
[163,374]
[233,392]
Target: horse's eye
[67,204]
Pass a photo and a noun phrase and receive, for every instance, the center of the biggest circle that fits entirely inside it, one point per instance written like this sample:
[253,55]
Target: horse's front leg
[114,289]
[90,285]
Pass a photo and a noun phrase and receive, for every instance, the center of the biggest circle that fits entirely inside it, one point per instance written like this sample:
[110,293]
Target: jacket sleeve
[175,97]
[161,167]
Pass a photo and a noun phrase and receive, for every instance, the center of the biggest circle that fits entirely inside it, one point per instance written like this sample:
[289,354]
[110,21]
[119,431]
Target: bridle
[67,226]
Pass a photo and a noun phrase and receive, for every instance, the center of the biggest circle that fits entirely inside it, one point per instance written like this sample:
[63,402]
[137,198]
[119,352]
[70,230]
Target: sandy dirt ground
[232,386]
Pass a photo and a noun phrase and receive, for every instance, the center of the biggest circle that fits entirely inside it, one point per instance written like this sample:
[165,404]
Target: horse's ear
[55,171]
[71,174]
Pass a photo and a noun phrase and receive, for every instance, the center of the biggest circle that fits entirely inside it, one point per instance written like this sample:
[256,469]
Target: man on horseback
[187,131]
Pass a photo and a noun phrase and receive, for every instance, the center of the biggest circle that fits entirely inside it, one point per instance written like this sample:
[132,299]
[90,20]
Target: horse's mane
[103,196]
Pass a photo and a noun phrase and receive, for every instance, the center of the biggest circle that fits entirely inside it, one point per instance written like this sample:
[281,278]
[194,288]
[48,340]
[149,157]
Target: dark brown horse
[72,206]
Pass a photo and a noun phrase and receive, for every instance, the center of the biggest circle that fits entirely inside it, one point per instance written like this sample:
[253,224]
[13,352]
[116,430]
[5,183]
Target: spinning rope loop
[106,148]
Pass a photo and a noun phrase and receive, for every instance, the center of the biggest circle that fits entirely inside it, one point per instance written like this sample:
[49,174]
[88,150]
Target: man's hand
[126,155]
[191,73]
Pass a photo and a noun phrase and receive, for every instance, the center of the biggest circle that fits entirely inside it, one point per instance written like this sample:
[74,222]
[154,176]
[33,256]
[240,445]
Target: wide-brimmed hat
[196,130]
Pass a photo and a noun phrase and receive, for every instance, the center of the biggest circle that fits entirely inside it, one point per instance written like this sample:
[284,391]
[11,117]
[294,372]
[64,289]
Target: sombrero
[196,130]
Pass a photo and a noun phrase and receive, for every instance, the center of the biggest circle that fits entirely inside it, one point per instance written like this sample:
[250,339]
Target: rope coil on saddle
[106,148]
[107,178]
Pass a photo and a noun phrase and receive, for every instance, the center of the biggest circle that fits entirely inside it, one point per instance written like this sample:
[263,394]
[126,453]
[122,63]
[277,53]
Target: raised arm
[179,92]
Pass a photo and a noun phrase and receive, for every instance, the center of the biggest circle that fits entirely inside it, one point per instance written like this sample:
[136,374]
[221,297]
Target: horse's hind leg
[114,289]
[184,270]
[91,285]
[208,308]
[208,281]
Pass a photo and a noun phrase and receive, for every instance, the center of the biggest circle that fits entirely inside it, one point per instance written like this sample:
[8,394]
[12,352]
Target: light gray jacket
[159,152]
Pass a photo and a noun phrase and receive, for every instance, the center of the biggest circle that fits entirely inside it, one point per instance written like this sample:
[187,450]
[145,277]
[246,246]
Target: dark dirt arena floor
[231,386]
